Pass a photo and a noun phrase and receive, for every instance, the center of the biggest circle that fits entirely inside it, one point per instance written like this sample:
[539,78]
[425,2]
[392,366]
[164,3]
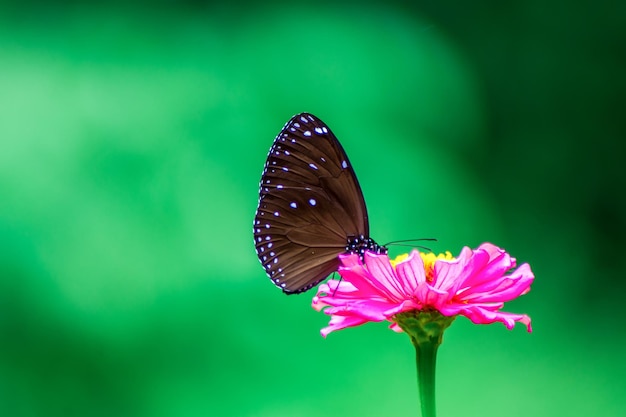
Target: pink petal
[353,285]
[450,275]
[504,289]
[486,275]
[494,251]
[411,273]
[394,326]
[338,323]
[481,316]
[350,260]
[361,277]
[407,305]
[431,296]
[380,268]
[452,309]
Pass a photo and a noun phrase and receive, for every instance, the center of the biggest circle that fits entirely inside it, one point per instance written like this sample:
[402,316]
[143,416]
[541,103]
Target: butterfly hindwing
[310,204]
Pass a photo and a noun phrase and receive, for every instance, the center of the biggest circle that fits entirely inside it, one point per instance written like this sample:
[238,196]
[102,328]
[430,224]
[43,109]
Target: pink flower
[475,285]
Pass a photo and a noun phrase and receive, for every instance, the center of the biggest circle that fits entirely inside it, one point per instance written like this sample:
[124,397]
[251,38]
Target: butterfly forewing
[310,204]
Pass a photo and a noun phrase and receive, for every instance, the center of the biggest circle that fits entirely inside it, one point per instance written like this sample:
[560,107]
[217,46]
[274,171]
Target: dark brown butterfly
[311,207]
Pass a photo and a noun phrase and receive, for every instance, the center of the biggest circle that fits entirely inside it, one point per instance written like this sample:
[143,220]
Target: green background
[132,139]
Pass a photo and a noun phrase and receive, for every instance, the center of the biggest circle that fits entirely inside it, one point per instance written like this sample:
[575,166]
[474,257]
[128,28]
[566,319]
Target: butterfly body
[311,207]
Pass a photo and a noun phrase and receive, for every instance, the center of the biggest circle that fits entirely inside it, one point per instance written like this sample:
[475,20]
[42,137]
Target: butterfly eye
[313,210]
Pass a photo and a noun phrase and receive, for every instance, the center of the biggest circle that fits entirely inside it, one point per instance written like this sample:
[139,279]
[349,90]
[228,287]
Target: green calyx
[424,327]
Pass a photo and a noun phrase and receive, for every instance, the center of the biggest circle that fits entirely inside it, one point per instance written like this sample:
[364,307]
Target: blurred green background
[132,139]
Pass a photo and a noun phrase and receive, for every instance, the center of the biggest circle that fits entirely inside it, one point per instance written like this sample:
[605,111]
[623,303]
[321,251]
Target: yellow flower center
[399,259]
[429,260]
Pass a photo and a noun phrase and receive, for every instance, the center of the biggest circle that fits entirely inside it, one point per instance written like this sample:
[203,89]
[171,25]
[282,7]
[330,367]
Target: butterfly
[311,208]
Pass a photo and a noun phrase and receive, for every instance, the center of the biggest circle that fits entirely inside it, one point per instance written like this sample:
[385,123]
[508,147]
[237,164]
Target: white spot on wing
[313,166]
[312,201]
[293,204]
[344,164]
[307,133]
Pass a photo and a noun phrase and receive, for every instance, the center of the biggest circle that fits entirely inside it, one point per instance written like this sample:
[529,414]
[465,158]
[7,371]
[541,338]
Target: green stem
[425,328]
[426,356]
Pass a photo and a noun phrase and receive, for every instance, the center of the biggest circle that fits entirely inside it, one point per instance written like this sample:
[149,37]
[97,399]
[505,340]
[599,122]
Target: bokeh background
[132,139]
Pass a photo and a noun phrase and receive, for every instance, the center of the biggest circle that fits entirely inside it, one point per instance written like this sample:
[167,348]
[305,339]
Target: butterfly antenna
[430,239]
[403,241]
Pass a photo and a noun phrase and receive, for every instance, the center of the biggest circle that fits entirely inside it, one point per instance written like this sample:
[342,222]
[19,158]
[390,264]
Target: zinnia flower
[476,285]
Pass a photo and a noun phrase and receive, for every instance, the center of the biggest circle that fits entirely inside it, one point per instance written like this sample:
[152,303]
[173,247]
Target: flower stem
[426,356]
[425,328]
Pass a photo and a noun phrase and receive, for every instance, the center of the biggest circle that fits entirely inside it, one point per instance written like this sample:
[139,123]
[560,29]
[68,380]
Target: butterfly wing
[310,204]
